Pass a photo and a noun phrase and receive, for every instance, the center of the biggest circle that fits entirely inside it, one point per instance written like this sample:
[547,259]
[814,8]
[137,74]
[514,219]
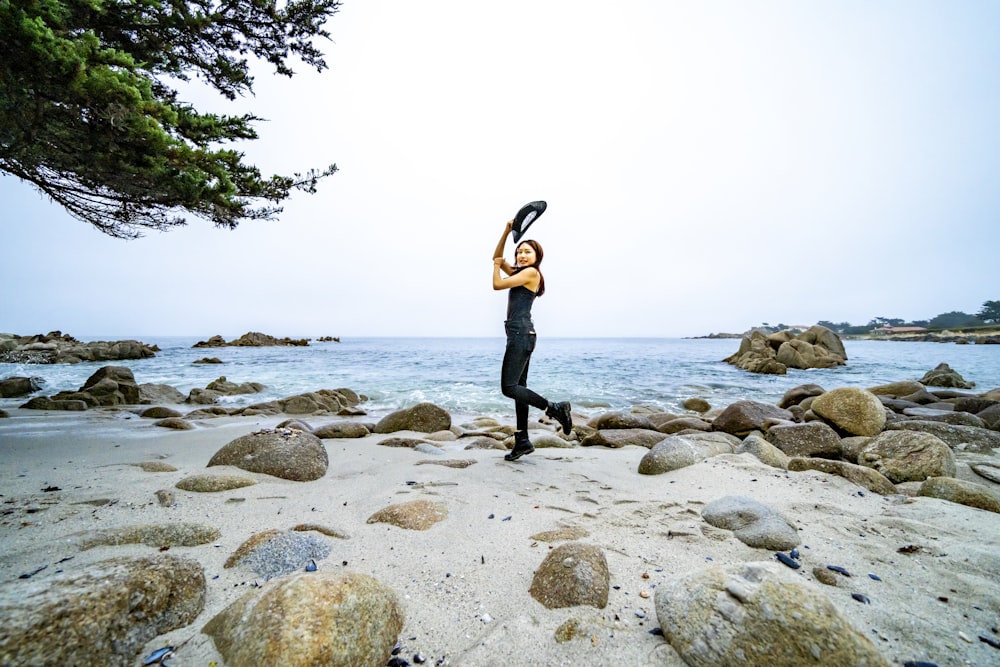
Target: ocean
[462,374]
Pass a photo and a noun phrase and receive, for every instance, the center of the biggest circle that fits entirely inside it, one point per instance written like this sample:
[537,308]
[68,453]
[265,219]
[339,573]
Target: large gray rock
[817,347]
[108,386]
[943,376]
[866,477]
[678,451]
[102,614]
[809,439]
[796,395]
[961,492]
[151,393]
[959,438]
[342,429]
[572,574]
[423,417]
[311,618]
[16,386]
[752,522]
[852,410]
[743,417]
[622,437]
[908,456]
[757,615]
[764,451]
[610,420]
[285,453]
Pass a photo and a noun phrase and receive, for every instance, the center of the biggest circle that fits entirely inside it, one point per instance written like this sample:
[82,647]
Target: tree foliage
[88,115]
[990,312]
[954,319]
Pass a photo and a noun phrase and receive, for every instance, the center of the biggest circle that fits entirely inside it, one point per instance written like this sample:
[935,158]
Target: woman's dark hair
[539,254]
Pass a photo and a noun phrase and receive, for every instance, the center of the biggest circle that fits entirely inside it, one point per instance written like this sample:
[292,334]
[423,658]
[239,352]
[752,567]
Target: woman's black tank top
[519,300]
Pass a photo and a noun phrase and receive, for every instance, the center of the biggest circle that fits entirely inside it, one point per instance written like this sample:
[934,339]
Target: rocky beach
[839,526]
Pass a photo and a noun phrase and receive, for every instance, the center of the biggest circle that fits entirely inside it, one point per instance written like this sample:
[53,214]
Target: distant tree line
[988,314]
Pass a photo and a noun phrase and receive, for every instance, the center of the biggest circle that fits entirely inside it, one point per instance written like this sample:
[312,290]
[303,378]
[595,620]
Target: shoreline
[463,583]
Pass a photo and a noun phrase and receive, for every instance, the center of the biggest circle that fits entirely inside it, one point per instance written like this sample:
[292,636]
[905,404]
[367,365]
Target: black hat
[527,215]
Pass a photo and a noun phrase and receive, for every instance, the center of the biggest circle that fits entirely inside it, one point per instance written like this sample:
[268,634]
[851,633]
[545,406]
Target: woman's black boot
[522,446]
[561,413]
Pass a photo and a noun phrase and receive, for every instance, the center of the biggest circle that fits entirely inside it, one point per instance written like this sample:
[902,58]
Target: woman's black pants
[514,376]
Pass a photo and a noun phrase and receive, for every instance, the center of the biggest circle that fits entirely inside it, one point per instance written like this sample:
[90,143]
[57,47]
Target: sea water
[463,374]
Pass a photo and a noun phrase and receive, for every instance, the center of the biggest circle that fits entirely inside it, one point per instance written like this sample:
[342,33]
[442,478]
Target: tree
[954,319]
[990,312]
[88,115]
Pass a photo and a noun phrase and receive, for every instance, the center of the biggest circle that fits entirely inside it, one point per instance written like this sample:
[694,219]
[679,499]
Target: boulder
[756,355]
[423,417]
[311,618]
[676,451]
[696,404]
[961,492]
[684,424]
[743,417]
[852,410]
[622,437]
[757,614]
[101,614]
[817,347]
[176,423]
[809,439]
[991,416]
[753,523]
[571,575]
[908,456]
[16,386]
[943,376]
[796,395]
[158,412]
[286,453]
[863,476]
[896,389]
[619,420]
[959,438]
[151,394]
[342,429]
[764,451]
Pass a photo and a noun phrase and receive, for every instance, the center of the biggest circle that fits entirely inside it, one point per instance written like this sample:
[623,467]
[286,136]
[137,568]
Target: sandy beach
[464,582]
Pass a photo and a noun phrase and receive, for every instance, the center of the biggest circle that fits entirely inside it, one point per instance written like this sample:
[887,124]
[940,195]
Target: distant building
[888,331]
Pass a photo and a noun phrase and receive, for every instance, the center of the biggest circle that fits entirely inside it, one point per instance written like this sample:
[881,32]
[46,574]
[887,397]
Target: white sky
[708,166]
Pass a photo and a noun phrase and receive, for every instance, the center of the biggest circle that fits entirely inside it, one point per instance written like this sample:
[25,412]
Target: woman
[525,282]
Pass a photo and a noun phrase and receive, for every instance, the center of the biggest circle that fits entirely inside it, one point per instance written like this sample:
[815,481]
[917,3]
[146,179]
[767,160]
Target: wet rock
[297,424]
[154,535]
[285,453]
[863,476]
[423,418]
[676,451]
[414,515]
[743,417]
[150,394]
[214,483]
[222,387]
[991,417]
[959,438]
[852,410]
[684,424]
[943,376]
[796,395]
[101,615]
[572,574]
[316,618]
[953,417]
[696,404]
[159,412]
[961,492]
[753,523]
[764,451]
[757,614]
[897,389]
[175,423]
[344,429]
[617,438]
[809,439]
[908,456]
[274,553]
[16,386]
[45,403]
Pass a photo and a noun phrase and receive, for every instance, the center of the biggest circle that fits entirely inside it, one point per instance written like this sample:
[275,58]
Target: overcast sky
[708,166]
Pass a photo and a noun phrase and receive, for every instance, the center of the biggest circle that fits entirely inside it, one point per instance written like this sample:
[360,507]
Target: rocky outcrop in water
[252,339]
[58,348]
[817,347]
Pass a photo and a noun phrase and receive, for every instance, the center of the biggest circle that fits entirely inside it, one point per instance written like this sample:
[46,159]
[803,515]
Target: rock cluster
[817,347]
[252,339]
[58,348]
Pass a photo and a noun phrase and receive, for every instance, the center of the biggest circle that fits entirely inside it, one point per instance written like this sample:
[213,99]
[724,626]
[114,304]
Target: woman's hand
[510,226]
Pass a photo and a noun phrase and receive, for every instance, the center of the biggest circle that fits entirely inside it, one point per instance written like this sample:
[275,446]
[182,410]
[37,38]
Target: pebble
[787,560]
[839,570]
[874,577]
[861,598]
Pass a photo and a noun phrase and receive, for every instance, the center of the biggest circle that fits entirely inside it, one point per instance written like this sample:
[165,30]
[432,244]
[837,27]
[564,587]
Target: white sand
[464,582]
